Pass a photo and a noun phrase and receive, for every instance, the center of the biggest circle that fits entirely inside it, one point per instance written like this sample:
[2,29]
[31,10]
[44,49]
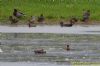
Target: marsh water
[19,47]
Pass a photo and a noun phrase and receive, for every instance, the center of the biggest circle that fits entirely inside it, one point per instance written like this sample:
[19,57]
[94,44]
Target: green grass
[55,10]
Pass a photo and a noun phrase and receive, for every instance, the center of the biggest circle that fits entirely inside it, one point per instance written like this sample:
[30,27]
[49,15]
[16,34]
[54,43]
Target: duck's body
[72,22]
[41,18]
[65,25]
[17,14]
[30,24]
[13,20]
[68,48]
[39,51]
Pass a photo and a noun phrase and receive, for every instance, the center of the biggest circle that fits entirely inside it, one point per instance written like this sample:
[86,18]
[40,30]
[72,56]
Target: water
[89,29]
[29,64]
[17,45]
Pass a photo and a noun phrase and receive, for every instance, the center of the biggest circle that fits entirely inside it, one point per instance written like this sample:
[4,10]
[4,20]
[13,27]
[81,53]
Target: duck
[67,48]
[30,24]
[13,20]
[72,22]
[66,25]
[39,51]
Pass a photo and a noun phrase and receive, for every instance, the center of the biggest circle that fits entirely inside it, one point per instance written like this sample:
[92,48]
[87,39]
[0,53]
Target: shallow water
[88,29]
[19,48]
[29,64]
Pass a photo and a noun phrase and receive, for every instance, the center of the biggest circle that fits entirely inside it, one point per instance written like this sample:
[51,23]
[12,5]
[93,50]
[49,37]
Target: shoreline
[50,22]
[56,29]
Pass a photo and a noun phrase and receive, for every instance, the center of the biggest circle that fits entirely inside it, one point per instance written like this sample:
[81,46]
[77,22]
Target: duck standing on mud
[31,22]
[72,22]
[86,16]
[41,18]
[66,25]
[13,19]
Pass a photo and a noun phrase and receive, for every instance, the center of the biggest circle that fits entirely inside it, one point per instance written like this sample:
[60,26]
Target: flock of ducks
[42,51]
[17,15]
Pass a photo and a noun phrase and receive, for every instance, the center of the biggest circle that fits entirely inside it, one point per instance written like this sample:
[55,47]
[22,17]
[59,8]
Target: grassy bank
[52,9]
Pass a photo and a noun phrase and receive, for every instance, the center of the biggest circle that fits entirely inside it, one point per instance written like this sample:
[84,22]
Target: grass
[52,9]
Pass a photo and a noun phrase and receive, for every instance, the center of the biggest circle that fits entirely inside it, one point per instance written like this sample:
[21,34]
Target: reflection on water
[20,47]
